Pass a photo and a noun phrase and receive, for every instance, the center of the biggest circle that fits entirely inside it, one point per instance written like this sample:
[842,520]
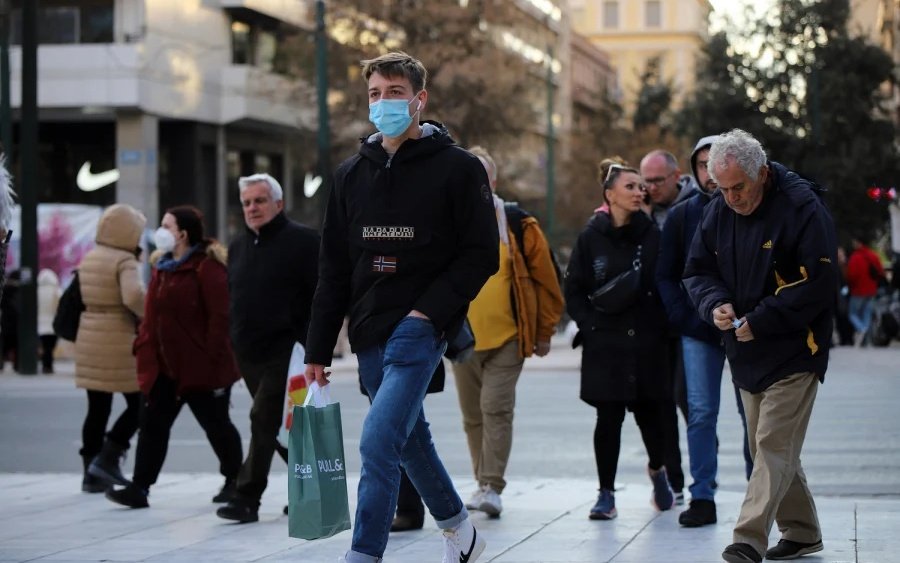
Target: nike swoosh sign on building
[89,182]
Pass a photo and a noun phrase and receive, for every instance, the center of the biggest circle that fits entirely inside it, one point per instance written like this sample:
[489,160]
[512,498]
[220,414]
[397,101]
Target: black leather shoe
[700,513]
[131,496]
[406,522]
[741,553]
[787,549]
[239,511]
[229,489]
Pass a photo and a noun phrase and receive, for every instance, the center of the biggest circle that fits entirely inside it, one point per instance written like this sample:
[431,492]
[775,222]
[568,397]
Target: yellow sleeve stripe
[804,277]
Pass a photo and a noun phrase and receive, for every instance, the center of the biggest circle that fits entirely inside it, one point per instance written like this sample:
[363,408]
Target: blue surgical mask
[391,117]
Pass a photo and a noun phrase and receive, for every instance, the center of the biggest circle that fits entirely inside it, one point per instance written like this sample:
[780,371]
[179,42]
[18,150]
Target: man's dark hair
[397,64]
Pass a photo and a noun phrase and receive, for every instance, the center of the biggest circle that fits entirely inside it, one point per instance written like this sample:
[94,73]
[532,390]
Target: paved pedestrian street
[545,520]
[851,458]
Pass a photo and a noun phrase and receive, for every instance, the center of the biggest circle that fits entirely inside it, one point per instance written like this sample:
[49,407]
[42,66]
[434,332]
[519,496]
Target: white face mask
[164,239]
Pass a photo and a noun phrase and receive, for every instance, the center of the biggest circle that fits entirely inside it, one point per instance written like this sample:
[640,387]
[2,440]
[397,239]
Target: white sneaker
[475,501]
[462,544]
[490,502]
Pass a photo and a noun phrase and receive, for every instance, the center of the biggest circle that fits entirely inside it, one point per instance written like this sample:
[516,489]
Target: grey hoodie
[703,143]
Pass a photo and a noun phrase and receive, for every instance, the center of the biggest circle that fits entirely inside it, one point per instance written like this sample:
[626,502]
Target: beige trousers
[487,395]
[777,419]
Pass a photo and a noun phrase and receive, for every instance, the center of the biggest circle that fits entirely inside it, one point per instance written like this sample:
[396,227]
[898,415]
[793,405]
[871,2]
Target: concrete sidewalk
[545,520]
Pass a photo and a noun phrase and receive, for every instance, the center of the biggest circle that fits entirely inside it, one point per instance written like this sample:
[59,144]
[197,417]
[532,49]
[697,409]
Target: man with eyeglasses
[664,182]
[666,187]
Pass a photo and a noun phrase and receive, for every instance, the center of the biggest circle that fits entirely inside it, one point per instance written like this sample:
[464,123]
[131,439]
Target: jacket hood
[703,143]
[47,277]
[120,227]
[434,138]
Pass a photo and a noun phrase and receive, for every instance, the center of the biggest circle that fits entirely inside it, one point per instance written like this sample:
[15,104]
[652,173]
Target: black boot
[131,496]
[700,513]
[91,484]
[106,466]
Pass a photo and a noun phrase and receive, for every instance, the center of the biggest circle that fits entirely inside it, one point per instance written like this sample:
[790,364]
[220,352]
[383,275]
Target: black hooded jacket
[412,231]
[777,267]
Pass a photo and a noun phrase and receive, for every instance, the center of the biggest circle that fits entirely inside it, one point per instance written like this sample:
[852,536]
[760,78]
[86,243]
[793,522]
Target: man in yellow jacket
[513,317]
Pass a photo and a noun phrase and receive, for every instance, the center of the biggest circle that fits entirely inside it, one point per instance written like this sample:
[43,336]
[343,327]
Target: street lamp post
[28,187]
[551,161]
[5,109]
[323,137]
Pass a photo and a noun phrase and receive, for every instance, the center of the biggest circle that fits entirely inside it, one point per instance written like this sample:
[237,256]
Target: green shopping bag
[317,485]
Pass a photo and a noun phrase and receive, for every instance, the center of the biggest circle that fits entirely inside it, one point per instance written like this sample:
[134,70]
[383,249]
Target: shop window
[257,44]
[67,22]
[240,43]
[653,13]
[611,15]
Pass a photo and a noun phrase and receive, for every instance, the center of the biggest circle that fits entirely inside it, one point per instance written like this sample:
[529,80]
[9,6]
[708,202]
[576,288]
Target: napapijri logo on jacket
[394,232]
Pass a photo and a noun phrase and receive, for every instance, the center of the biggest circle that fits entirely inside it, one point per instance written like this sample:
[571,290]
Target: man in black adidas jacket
[271,280]
[762,270]
[409,238]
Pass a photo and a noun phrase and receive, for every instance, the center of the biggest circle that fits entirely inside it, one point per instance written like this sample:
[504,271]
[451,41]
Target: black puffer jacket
[624,355]
[412,231]
[777,267]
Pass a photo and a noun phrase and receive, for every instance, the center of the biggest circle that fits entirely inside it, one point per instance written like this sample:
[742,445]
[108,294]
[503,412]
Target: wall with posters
[66,233]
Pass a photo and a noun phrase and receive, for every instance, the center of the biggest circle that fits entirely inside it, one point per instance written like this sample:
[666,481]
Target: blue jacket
[677,235]
[777,267]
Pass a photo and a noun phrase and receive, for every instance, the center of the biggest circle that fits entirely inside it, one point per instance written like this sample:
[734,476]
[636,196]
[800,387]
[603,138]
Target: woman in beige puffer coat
[113,296]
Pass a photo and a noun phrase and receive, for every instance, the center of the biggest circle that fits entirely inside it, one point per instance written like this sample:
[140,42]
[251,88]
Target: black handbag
[619,293]
[68,312]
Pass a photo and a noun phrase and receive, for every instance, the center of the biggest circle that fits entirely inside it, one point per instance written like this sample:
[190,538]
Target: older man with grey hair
[761,269]
[271,281]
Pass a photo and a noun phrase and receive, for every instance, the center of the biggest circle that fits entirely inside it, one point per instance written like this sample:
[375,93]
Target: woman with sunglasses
[621,330]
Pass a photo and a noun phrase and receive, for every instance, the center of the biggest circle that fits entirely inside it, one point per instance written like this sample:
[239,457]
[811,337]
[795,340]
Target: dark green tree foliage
[654,98]
[720,100]
[810,90]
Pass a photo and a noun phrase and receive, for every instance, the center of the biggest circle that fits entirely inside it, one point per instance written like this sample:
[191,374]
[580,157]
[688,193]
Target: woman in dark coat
[623,356]
[184,353]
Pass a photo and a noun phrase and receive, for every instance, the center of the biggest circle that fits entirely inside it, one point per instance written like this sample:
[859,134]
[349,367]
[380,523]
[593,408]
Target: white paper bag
[294,391]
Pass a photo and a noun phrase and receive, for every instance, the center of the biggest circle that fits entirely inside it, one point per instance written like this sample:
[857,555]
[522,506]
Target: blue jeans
[861,313]
[395,433]
[703,363]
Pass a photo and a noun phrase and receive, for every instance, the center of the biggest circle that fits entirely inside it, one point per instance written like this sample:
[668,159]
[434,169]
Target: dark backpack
[514,217]
[68,313]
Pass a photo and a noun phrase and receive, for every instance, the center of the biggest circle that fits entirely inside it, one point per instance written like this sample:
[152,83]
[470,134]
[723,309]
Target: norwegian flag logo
[384,264]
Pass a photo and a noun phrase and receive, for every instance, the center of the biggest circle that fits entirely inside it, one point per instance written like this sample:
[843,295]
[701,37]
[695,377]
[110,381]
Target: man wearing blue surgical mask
[409,238]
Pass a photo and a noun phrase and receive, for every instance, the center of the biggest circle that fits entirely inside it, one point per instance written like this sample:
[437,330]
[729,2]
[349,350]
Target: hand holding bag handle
[317,396]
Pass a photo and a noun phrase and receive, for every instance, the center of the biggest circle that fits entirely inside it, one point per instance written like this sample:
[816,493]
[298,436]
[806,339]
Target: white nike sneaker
[490,502]
[475,501]
[462,544]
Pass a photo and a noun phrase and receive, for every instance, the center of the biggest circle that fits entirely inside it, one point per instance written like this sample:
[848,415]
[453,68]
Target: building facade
[635,32]
[879,20]
[179,97]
